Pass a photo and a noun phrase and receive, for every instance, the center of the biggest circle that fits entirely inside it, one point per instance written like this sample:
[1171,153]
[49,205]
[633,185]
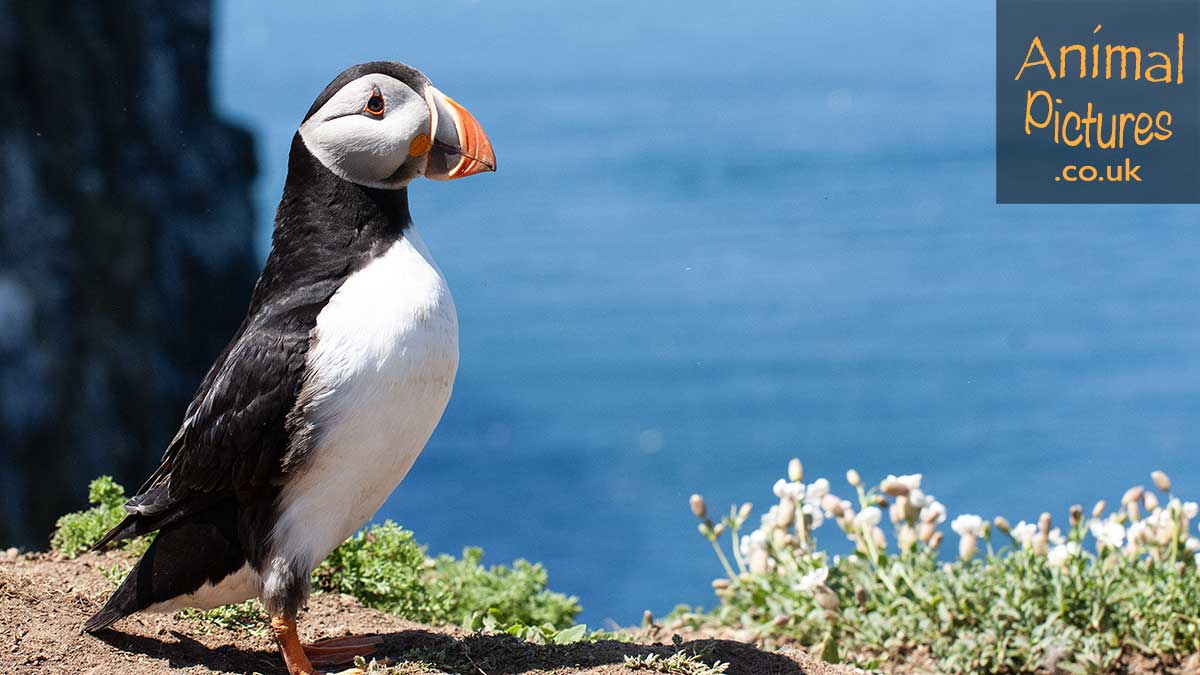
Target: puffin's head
[382,124]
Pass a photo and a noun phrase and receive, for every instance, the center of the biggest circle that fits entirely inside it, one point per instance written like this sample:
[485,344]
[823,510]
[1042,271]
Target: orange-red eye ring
[380,106]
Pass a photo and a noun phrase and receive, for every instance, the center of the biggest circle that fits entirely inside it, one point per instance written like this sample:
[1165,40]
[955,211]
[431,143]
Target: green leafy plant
[494,621]
[1015,599]
[383,567]
[75,533]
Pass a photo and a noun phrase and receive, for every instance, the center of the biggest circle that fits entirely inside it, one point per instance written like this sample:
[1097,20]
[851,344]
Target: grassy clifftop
[44,599]
[1106,590]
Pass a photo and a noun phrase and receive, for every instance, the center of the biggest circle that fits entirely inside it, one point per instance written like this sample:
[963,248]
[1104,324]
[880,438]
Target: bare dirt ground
[44,601]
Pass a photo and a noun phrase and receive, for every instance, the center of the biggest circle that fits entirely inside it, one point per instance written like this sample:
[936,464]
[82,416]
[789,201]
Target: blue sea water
[726,234]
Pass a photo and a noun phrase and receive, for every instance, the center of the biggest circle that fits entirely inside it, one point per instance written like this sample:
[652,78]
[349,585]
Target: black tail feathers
[146,520]
[115,534]
[193,547]
[122,603]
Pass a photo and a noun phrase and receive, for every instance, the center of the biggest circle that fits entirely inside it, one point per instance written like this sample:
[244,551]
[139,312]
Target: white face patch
[370,149]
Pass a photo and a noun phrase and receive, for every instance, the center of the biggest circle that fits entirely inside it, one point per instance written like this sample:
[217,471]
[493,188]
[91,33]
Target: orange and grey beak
[460,148]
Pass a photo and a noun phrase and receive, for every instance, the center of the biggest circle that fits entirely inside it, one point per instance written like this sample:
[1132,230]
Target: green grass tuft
[681,662]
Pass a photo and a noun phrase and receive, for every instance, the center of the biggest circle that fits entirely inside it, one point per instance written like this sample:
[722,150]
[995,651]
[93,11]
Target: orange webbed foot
[339,650]
[303,659]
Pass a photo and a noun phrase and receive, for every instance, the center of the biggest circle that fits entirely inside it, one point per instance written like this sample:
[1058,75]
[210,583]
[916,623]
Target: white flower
[788,490]
[1023,532]
[795,491]
[815,515]
[968,525]
[1190,509]
[1192,545]
[816,490]
[1056,537]
[1160,518]
[1137,532]
[1107,532]
[911,481]
[933,511]
[767,520]
[780,488]
[744,546]
[810,581]
[758,540]
[1060,553]
[868,517]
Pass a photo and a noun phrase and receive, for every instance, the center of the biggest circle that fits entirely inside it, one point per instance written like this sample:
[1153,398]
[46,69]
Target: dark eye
[374,104]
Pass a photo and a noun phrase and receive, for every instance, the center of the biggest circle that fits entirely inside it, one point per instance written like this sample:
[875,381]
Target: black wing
[234,436]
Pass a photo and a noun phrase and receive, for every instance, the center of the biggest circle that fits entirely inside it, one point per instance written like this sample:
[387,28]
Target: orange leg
[326,652]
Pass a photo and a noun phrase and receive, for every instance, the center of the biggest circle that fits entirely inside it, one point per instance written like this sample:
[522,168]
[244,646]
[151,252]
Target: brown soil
[44,601]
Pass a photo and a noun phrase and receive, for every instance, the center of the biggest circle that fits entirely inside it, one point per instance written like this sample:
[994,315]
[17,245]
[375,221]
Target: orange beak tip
[477,152]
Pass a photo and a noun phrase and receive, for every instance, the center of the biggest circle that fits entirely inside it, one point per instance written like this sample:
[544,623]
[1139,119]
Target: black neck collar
[326,228]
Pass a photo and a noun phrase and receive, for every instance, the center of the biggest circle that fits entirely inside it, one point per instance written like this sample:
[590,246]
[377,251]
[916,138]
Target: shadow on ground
[490,654]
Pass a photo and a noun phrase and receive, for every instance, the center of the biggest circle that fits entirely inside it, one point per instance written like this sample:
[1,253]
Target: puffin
[332,385]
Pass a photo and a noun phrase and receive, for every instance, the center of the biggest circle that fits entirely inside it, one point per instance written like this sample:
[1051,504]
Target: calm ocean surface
[722,236]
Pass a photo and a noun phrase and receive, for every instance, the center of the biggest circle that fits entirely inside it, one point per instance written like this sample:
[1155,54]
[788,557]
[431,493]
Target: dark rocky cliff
[126,242]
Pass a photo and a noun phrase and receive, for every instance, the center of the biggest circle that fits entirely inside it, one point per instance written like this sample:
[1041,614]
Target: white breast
[384,360]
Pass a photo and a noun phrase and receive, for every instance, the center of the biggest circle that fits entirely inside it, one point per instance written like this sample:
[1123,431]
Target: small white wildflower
[1023,532]
[795,491]
[892,487]
[1160,519]
[912,481]
[768,519]
[809,582]
[758,540]
[780,488]
[816,491]
[933,511]
[1107,532]
[1137,532]
[1056,537]
[1060,553]
[918,498]
[1190,509]
[744,546]
[814,514]
[869,517]
[967,525]
[831,506]
[1192,545]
